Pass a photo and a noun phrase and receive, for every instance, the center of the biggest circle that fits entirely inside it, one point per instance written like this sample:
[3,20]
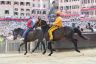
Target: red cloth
[29,24]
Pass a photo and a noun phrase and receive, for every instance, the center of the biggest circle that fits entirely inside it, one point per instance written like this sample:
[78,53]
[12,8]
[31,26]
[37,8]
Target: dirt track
[87,56]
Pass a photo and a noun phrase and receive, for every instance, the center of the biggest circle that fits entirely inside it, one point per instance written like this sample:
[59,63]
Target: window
[44,12]
[27,3]
[61,1]
[38,5]
[33,12]
[66,0]
[91,12]
[27,9]
[85,2]
[88,1]
[33,5]
[2,2]
[67,7]
[92,1]
[22,9]
[27,14]
[15,13]
[16,9]
[95,12]
[21,3]
[8,2]
[38,12]
[69,0]
[16,3]
[6,11]
[44,6]
[22,14]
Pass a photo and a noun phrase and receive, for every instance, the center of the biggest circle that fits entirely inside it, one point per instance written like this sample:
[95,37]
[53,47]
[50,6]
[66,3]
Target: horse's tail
[76,30]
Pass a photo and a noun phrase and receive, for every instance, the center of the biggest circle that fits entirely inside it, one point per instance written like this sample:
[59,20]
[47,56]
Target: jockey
[56,24]
[30,26]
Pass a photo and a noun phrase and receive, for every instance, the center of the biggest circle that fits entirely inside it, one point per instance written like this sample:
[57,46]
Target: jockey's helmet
[58,13]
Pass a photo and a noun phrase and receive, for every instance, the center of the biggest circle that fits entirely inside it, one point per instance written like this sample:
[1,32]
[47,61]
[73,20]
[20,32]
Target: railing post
[6,44]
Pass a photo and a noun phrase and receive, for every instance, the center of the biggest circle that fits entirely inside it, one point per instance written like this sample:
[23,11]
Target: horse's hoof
[19,50]
[25,53]
[53,49]
[33,50]
[49,55]
[44,52]
[78,51]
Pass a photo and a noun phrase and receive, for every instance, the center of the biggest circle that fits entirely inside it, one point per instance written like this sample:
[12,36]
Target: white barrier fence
[11,46]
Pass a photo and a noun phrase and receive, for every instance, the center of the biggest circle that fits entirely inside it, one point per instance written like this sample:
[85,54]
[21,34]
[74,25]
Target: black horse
[32,36]
[64,32]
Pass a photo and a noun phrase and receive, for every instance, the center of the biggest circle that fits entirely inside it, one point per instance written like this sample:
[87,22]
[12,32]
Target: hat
[58,12]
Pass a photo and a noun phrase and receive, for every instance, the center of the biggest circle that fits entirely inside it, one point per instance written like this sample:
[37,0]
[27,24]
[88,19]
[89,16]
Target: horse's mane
[45,26]
[45,22]
[17,29]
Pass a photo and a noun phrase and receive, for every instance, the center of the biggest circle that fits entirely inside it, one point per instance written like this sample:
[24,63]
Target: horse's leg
[76,30]
[25,47]
[92,29]
[36,46]
[20,46]
[50,48]
[43,47]
[75,44]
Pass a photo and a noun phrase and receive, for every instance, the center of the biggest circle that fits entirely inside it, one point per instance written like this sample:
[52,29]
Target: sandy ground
[87,56]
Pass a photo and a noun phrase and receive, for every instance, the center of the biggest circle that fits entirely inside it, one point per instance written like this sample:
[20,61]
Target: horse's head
[16,33]
[41,23]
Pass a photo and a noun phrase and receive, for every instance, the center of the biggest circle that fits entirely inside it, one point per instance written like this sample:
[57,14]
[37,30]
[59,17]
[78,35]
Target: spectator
[89,26]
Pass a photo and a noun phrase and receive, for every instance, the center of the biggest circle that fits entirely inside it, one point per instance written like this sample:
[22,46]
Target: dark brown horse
[36,34]
[64,32]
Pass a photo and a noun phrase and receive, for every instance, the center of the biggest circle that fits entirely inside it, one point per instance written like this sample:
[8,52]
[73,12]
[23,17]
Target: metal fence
[11,46]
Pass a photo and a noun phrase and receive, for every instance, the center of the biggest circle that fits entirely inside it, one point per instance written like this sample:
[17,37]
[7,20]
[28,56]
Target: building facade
[26,8]
[78,8]
[23,8]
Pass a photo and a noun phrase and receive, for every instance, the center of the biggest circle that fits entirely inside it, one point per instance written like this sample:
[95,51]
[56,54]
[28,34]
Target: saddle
[57,34]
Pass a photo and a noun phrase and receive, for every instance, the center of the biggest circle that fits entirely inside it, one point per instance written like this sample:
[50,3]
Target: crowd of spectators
[6,27]
[84,25]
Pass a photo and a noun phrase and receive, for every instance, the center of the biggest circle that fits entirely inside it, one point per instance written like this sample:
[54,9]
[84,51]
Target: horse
[64,32]
[33,35]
